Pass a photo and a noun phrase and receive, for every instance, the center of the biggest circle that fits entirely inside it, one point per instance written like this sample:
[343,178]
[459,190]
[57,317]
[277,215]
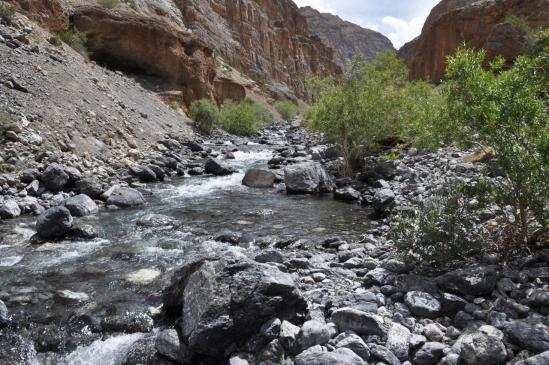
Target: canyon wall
[478,23]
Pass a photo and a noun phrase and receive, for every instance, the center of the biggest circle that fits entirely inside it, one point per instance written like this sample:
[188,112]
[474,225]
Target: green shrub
[442,229]
[109,4]
[286,109]
[205,115]
[75,39]
[373,103]
[244,118]
[7,12]
[508,111]
[519,22]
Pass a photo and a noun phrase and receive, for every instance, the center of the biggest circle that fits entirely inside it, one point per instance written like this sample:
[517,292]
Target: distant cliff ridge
[347,39]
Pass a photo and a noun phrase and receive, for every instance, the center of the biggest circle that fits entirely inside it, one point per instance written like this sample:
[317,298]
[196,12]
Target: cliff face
[179,40]
[478,23]
[347,39]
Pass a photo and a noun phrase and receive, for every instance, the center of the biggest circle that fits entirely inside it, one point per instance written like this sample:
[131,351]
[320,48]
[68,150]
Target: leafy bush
[286,109]
[109,4]
[442,229]
[507,110]
[7,12]
[75,39]
[205,115]
[244,117]
[373,103]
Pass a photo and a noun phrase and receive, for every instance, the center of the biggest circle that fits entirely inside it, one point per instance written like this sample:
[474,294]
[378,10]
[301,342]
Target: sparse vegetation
[519,22]
[75,39]
[109,4]
[7,12]
[286,109]
[205,115]
[244,118]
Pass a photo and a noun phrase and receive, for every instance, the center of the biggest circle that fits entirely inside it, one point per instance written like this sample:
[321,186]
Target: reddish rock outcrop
[48,13]
[478,23]
[347,39]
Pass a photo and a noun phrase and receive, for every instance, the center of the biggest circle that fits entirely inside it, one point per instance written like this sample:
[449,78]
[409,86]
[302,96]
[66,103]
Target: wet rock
[54,177]
[422,304]
[307,178]
[347,194]
[224,302]
[383,354]
[341,356]
[258,178]
[4,315]
[398,341]
[125,198]
[81,230]
[70,296]
[531,336]
[429,354]
[141,351]
[9,209]
[483,347]
[168,344]
[478,281]
[128,323]
[362,323]
[143,173]
[354,343]
[217,168]
[81,205]
[56,222]
[89,186]
[312,333]
[155,220]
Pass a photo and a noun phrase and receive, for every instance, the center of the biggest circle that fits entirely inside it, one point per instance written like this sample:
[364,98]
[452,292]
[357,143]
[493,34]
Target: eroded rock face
[49,13]
[347,39]
[478,23]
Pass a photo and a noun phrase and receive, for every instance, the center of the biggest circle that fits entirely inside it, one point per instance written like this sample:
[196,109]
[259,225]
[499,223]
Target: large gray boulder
[55,222]
[125,198]
[81,205]
[223,302]
[422,304]
[429,354]
[341,356]
[259,178]
[354,343]
[477,281]
[55,178]
[483,347]
[383,201]
[398,341]
[362,323]
[89,186]
[540,359]
[9,209]
[530,336]
[307,178]
[312,333]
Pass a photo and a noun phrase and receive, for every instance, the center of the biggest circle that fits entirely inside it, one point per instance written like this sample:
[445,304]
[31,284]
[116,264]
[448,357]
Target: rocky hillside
[481,24]
[196,49]
[347,39]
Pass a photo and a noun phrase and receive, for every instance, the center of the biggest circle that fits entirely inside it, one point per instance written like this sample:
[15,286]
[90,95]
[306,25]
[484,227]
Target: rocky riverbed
[174,261]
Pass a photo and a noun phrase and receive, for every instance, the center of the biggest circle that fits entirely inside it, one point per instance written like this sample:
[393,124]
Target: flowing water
[124,269]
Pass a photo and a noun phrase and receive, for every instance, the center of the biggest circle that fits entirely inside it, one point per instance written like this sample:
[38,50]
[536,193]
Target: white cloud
[402,31]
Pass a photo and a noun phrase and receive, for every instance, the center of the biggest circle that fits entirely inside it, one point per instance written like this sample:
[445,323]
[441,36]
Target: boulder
[483,347]
[398,341]
[89,186]
[540,359]
[155,220]
[307,178]
[530,336]
[217,168]
[81,205]
[168,344]
[347,194]
[223,302]
[141,351]
[341,356]
[383,201]
[9,209]
[125,198]
[54,177]
[4,315]
[429,354]
[354,343]
[362,323]
[259,178]
[384,355]
[477,281]
[29,175]
[129,322]
[312,333]
[56,222]
[422,304]
[143,173]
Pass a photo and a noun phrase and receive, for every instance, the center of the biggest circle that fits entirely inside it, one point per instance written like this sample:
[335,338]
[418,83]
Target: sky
[400,20]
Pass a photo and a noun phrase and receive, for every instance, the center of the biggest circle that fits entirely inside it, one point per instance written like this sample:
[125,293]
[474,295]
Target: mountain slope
[347,39]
